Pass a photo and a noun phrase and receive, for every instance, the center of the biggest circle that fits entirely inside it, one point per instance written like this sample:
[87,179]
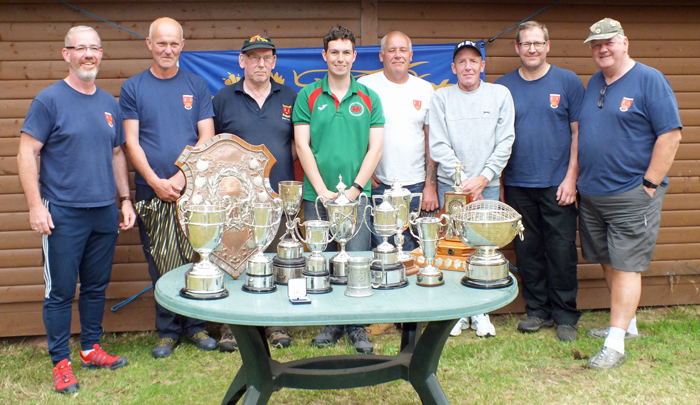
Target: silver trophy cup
[387,270]
[429,229]
[265,218]
[205,227]
[289,261]
[316,271]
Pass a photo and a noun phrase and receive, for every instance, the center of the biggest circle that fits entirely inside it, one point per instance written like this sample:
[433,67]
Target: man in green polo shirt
[338,130]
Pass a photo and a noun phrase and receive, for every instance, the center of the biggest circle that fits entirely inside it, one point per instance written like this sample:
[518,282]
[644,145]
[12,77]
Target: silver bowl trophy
[401,198]
[264,221]
[342,214]
[429,230]
[316,271]
[289,261]
[486,226]
[387,271]
[204,225]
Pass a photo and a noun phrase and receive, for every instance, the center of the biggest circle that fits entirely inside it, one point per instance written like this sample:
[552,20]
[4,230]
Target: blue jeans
[410,242]
[489,193]
[361,241]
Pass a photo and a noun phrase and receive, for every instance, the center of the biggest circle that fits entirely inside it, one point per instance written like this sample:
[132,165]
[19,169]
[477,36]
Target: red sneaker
[63,378]
[98,358]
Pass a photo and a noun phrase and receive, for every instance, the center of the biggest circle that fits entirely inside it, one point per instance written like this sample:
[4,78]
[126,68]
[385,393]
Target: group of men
[536,132]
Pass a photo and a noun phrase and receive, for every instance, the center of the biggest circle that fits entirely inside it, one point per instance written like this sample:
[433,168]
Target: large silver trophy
[387,271]
[342,214]
[316,271]
[204,226]
[289,261]
[401,198]
[429,230]
[264,221]
[486,226]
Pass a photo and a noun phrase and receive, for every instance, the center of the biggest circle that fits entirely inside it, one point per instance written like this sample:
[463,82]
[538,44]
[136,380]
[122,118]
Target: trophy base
[430,279]
[339,268]
[284,269]
[392,277]
[359,292]
[409,262]
[486,284]
[450,256]
[339,280]
[259,290]
[215,295]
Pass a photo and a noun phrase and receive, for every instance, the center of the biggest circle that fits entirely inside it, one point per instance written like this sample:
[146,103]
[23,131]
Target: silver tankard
[360,283]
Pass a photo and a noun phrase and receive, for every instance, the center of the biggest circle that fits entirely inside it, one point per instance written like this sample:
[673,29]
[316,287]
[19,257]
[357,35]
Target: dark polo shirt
[238,113]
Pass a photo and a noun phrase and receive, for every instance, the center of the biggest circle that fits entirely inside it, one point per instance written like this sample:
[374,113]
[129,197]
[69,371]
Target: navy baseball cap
[258,42]
[465,44]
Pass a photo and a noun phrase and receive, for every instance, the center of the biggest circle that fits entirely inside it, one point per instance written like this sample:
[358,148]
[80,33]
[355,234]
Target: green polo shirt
[339,130]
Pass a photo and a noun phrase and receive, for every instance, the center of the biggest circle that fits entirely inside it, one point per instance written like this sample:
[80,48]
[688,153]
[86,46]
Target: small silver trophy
[316,271]
[342,214]
[289,261]
[429,229]
[265,218]
[205,226]
[359,282]
[388,272]
[401,198]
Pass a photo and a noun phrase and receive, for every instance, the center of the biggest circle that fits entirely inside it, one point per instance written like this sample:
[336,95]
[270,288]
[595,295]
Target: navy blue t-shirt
[79,132]
[239,114]
[544,111]
[168,111]
[616,142]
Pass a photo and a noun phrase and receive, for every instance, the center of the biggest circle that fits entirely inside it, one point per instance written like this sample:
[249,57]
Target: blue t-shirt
[79,132]
[544,111]
[168,111]
[239,114]
[616,142]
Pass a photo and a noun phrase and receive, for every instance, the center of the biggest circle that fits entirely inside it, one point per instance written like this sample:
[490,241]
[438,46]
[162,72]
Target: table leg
[255,375]
[423,366]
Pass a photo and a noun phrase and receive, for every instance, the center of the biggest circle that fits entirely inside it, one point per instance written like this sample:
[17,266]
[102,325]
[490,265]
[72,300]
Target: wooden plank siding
[664,35]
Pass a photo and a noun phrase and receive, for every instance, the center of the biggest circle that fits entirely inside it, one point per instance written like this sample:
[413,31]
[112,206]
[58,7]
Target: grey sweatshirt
[474,128]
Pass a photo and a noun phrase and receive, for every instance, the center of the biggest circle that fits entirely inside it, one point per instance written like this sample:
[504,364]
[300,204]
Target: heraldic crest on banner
[230,171]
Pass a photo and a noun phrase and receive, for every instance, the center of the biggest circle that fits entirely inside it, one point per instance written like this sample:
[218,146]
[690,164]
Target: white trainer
[462,324]
[482,325]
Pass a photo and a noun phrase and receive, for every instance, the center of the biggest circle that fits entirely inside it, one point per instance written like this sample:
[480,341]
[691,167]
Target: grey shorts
[621,229]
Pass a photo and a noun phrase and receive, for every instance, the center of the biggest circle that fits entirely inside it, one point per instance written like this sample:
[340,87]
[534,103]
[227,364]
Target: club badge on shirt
[187,100]
[626,104]
[554,100]
[356,109]
[286,112]
[417,104]
[110,120]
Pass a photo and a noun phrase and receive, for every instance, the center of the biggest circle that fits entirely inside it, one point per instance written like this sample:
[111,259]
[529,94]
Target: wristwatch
[646,183]
[357,186]
[122,199]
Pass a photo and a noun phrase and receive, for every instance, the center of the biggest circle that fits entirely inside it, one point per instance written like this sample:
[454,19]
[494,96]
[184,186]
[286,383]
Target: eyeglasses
[527,45]
[609,44]
[256,58]
[601,99]
[83,48]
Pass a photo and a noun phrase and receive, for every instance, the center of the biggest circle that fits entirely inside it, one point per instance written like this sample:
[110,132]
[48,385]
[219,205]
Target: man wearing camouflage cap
[629,131]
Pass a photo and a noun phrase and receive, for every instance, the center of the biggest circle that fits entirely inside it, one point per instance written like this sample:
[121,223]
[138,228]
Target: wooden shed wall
[664,35]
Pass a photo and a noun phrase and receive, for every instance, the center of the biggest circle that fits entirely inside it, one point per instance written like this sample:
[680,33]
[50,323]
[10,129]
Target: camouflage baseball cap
[605,29]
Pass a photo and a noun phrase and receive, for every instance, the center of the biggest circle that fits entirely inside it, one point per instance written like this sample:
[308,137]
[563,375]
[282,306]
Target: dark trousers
[168,323]
[409,242]
[547,257]
[81,245]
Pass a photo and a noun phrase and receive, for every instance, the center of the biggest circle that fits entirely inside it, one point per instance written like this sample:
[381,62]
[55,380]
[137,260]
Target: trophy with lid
[265,218]
[401,198]
[386,270]
[289,261]
[342,214]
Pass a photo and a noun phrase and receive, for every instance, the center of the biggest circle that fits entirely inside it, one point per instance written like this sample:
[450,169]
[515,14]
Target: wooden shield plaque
[230,171]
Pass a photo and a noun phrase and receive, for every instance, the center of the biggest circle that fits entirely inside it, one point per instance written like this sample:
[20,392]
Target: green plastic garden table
[259,376]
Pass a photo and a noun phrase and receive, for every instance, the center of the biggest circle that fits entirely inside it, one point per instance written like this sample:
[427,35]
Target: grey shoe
[533,324]
[602,333]
[278,337]
[566,333]
[329,335]
[606,358]
[227,343]
[357,336]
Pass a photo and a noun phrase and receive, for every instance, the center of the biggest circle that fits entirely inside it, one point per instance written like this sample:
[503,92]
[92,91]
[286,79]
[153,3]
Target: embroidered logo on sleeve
[110,120]
[187,100]
[417,104]
[626,104]
[554,100]
[356,109]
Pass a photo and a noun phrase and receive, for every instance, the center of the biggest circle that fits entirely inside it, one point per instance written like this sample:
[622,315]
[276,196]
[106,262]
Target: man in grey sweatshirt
[471,123]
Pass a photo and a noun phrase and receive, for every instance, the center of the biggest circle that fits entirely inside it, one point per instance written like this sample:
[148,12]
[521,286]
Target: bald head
[165,22]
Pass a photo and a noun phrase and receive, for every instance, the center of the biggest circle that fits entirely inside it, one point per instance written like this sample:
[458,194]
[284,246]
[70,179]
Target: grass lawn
[511,368]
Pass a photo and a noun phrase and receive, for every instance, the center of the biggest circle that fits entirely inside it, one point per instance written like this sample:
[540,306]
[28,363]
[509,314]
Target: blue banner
[298,67]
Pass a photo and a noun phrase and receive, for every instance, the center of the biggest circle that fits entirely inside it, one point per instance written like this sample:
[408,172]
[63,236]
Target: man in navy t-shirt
[629,131]
[540,182]
[165,109]
[76,128]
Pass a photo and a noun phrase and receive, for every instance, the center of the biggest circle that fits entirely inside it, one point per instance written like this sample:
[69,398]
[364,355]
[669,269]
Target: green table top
[410,304]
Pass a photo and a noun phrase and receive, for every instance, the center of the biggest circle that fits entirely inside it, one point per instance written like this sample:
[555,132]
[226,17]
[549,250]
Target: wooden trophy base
[410,264]
[451,256]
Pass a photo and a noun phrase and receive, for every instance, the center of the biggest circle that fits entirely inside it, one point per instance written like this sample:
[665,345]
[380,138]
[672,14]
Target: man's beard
[85,74]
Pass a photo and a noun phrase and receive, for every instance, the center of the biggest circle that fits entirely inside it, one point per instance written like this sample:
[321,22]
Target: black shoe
[278,337]
[533,324]
[328,337]
[566,333]
[164,348]
[203,341]
[357,336]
